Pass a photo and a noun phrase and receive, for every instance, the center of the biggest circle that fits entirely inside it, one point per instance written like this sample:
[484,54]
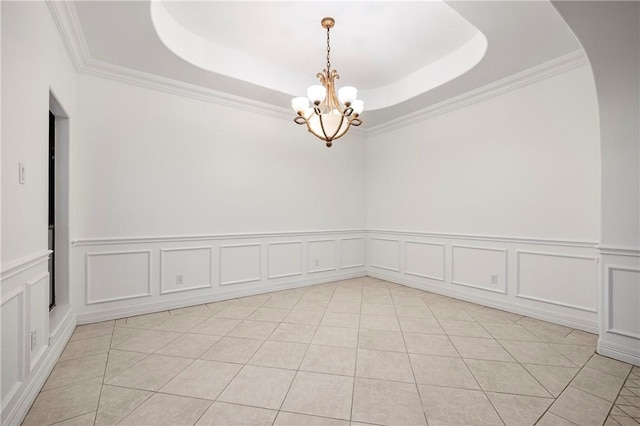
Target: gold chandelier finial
[331,114]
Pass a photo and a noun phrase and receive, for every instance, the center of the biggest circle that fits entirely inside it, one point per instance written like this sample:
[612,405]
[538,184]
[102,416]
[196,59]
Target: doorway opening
[52,210]
[59,216]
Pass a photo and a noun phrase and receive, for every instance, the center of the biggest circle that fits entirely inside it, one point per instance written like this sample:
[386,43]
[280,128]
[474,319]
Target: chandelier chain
[328,53]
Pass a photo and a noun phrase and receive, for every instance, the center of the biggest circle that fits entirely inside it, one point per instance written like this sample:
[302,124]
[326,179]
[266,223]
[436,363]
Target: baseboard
[505,305]
[623,353]
[18,411]
[106,315]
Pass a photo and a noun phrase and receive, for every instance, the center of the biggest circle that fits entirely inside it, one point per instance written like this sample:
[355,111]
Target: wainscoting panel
[284,259]
[210,267]
[240,263]
[38,297]
[623,288]
[13,348]
[185,268]
[484,269]
[384,253]
[351,252]
[425,260]
[321,255]
[479,267]
[560,279]
[117,275]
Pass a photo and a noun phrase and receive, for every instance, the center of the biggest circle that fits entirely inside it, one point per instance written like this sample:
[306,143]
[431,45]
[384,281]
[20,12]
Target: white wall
[155,163]
[34,63]
[235,201]
[496,202]
[610,35]
[523,164]
[239,202]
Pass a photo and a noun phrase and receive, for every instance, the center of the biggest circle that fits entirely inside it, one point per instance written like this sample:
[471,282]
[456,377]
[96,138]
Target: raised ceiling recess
[390,53]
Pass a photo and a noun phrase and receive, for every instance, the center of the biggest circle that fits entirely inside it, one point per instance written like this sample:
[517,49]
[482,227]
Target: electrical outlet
[494,279]
[34,339]
[316,262]
[179,279]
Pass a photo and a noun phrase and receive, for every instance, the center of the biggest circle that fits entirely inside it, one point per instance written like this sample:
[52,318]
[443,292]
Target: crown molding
[66,19]
[151,81]
[561,64]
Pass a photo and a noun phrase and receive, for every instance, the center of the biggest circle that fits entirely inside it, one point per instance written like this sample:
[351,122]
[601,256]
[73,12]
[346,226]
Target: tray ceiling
[403,56]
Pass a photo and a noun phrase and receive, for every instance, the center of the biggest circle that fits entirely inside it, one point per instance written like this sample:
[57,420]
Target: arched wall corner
[610,35]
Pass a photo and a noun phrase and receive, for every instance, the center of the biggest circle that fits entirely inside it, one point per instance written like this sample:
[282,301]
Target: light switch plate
[21,173]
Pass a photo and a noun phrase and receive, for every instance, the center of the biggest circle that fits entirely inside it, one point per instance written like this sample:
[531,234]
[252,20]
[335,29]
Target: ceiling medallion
[331,115]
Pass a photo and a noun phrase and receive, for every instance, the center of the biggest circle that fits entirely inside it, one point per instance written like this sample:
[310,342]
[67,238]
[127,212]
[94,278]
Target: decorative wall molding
[355,265]
[208,284]
[271,276]
[21,346]
[201,237]
[17,411]
[310,270]
[555,302]
[388,268]
[493,238]
[608,294]
[619,352]
[24,264]
[163,84]
[619,251]
[502,304]
[539,72]
[503,287]
[243,280]
[427,243]
[233,293]
[44,310]
[66,18]
[88,256]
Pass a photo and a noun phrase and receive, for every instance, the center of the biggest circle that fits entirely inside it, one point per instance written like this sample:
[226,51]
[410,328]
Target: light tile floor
[357,352]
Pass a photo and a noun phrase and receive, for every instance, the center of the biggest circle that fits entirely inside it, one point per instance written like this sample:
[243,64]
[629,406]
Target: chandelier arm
[324,131]
[338,127]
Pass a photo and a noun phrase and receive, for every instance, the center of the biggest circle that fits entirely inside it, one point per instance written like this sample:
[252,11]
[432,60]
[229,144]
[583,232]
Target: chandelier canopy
[330,115]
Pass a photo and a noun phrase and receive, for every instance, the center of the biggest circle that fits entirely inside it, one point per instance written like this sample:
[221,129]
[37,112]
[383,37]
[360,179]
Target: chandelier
[331,115]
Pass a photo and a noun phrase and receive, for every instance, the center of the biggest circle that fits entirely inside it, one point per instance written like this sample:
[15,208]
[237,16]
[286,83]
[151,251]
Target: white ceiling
[272,50]
[224,37]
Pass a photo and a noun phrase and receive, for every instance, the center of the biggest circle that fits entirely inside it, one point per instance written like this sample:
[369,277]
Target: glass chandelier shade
[326,114]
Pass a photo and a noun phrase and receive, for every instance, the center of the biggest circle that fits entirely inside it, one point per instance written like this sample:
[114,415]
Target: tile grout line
[299,296]
[469,370]
[618,395]
[303,356]
[104,373]
[404,341]
[528,372]
[568,386]
[355,366]
[234,376]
